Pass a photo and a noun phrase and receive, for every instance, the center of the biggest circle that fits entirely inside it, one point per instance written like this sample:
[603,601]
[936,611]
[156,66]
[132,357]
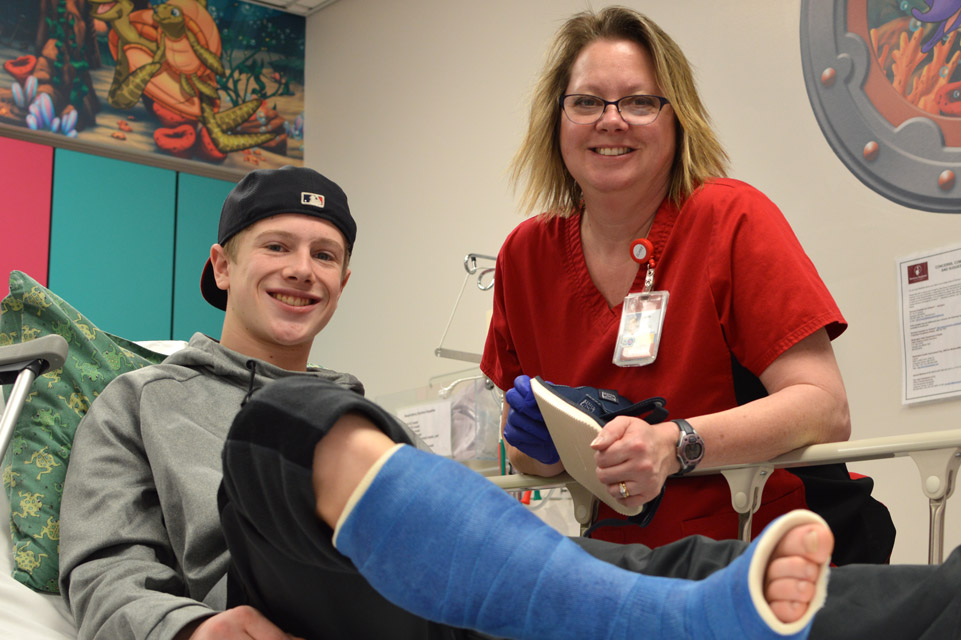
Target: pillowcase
[36,461]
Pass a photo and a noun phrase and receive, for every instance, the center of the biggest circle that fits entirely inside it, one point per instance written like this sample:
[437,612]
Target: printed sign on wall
[929,286]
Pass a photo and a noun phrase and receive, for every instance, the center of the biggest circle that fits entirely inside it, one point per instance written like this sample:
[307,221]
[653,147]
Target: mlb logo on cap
[312,199]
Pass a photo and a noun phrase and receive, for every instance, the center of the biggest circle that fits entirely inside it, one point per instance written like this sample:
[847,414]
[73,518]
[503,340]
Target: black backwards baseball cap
[270,192]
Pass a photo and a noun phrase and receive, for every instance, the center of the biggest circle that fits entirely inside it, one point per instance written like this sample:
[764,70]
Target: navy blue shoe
[574,417]
[605,404]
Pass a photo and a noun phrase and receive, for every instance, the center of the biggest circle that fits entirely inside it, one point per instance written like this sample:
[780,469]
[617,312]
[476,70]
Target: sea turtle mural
[171,55]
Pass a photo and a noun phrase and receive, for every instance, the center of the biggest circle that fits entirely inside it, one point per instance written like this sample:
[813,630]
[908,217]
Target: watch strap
[687,437]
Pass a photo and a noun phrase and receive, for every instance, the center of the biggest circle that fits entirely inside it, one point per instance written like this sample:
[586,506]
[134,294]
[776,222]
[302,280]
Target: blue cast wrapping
[446,544]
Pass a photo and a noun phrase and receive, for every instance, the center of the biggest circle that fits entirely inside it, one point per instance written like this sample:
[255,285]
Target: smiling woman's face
[610,156]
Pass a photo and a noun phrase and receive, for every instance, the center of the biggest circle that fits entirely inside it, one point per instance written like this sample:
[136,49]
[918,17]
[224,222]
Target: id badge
[640,333]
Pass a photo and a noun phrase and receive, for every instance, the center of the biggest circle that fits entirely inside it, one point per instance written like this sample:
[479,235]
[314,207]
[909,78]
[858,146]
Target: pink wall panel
[26,173]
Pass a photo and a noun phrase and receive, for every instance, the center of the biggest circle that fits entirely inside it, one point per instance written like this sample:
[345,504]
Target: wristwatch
[690,447]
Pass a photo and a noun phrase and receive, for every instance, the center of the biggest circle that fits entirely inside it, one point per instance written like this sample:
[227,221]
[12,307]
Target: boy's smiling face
[283,284]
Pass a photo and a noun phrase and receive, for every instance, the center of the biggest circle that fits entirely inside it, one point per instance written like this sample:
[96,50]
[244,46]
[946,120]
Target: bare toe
[788,611]
[794,569]
[814,542]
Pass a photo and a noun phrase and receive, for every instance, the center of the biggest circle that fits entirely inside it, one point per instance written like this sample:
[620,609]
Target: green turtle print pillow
[36,460]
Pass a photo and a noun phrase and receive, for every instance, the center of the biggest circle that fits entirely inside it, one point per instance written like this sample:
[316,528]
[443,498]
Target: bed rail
[937,455]
[20,364]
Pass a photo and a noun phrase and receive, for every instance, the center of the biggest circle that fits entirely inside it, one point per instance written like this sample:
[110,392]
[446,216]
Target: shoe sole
[572,431]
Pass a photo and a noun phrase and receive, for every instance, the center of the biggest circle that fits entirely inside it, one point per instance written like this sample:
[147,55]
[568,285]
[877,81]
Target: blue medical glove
[525,428]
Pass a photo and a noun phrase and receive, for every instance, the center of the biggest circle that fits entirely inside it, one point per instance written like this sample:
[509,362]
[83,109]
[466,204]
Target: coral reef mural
[213,81]
[884,81]
[916,46]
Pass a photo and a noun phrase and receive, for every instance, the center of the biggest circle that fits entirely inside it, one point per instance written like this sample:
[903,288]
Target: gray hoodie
[141,550]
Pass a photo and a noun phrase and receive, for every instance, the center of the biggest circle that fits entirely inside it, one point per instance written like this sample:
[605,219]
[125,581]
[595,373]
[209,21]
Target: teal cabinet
[124,243]
[199,201]
[112,242]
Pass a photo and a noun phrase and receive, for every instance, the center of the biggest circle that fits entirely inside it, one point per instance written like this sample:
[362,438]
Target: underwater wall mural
[196,83]
[884,82]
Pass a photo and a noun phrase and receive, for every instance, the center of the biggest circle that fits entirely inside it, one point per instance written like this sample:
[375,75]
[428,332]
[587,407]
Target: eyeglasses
[581,108]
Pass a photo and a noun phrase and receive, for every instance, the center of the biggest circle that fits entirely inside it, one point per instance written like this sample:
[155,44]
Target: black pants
[283,562]
[282,559]
[865,601]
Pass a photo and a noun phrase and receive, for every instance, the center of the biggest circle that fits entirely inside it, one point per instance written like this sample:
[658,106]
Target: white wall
[415,108]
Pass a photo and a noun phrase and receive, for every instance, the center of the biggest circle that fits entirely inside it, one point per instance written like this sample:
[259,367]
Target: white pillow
[165,347]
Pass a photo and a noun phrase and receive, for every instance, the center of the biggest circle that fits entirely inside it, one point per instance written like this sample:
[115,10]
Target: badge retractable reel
[642,317]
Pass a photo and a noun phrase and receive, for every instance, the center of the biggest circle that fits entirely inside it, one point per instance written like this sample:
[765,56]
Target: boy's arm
[119,574]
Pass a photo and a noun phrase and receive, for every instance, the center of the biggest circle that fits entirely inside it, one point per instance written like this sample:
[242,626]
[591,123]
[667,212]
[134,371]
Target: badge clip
[641,250]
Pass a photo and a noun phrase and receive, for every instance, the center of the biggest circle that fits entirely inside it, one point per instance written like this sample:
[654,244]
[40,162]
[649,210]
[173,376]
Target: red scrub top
[740,284]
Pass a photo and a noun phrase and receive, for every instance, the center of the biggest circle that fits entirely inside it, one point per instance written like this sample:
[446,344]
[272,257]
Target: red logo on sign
[917,272]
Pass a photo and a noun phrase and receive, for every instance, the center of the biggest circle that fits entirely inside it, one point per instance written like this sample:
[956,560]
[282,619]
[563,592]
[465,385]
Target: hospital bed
[29,615]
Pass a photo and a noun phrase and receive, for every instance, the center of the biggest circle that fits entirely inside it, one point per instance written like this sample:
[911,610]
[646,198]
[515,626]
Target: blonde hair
[538,163]
[232,244]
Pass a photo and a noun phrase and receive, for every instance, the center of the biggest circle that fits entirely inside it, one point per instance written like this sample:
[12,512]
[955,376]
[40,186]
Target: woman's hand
[520,460]
[637,455]
[525,427]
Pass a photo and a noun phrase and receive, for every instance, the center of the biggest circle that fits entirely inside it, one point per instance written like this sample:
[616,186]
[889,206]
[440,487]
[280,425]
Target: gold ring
[624,492]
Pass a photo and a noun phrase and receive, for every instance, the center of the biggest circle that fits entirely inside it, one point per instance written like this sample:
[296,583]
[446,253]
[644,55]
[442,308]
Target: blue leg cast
[446,544]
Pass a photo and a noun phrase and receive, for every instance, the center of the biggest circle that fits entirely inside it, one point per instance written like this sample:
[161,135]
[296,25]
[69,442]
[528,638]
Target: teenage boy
[145,532]
[143,554]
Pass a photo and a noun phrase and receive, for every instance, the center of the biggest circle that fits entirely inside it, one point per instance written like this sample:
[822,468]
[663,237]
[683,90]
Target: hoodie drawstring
[252,367]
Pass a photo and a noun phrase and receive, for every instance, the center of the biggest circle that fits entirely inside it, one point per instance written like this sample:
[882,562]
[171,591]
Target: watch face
[693,450]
